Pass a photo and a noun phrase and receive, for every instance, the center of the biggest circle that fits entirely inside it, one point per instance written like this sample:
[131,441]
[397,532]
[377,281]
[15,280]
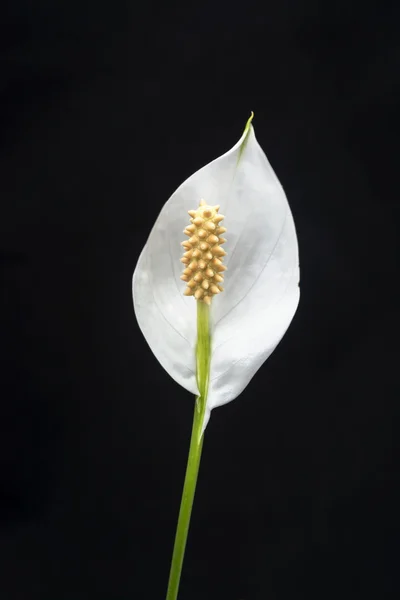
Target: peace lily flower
[211,338]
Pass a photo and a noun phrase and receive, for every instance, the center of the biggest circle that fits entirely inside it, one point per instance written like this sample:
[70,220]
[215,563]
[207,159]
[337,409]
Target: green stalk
[203,356]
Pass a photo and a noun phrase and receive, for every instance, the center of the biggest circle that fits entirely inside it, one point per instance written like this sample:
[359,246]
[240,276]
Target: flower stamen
[203,267]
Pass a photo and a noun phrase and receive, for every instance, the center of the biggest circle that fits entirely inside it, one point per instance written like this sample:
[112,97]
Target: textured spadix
[261,283]
[204,253]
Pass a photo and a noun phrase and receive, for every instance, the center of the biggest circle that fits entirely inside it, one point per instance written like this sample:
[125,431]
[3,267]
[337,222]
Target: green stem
[203,355]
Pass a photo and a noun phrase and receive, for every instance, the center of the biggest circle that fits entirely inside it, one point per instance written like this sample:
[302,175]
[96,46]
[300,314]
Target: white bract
[261,282]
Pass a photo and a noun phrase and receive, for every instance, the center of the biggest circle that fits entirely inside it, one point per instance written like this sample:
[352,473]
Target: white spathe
[261,282]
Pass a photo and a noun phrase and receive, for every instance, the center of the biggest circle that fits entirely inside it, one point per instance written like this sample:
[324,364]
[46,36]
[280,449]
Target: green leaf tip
[245,135]
[246,129]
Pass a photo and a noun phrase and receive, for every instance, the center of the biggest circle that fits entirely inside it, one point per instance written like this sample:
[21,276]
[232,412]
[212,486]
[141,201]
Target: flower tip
[247,130]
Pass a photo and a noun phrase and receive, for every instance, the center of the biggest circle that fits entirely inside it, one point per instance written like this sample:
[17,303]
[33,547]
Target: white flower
[261,282]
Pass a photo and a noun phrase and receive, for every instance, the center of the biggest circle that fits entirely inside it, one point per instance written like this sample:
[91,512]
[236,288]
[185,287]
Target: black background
[105,109]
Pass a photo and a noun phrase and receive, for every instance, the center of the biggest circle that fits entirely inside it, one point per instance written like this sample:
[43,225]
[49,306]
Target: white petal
[166,317]
[261,284]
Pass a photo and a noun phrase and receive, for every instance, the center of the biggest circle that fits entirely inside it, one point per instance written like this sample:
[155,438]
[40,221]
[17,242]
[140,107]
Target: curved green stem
[203,356]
